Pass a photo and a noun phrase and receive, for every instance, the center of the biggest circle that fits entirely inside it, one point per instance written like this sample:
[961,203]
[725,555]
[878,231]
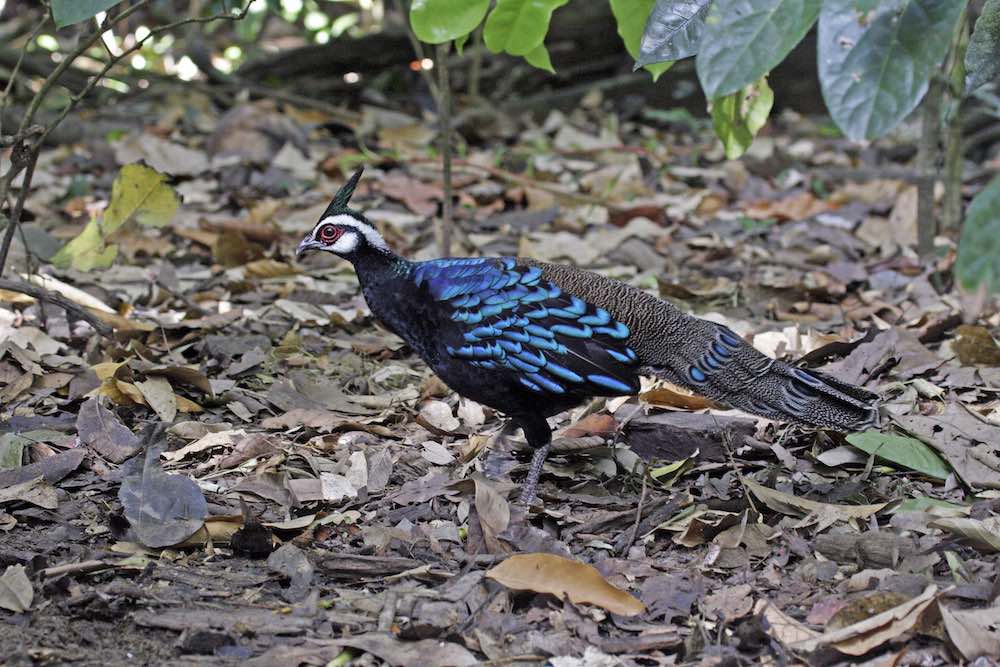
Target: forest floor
[715,538]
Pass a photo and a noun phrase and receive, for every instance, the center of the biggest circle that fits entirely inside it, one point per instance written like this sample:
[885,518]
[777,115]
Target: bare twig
[5,101]
[58,300]
[75,99]
[18,159]
[444,116]
[638,516]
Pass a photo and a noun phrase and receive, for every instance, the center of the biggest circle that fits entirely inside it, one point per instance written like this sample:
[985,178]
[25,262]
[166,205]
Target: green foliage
[138,194]
[630,15]
[673,31]
[982,60]
[902,451]
[874,68]
[978,264]
[439,21]
[519,27]
[68,12]
[738,117]
[744,39]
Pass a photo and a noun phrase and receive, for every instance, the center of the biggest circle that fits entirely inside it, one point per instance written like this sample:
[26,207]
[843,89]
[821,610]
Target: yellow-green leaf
[631,16]
[738,117]
[140,193]
[539,57]
[87,251]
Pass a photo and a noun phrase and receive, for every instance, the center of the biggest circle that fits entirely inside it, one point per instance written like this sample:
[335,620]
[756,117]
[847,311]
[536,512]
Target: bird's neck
[374,265]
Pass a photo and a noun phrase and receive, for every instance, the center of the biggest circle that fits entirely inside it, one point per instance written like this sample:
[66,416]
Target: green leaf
[738,117]
[519,26]
[931,506]
[68,12]
[744,39]
[982,59]
[539,57]
[630,15]
[12,448]
[902,451]
[978,261]
[673,31]
[874,67]
[87,251]
[139,192]
[440,21]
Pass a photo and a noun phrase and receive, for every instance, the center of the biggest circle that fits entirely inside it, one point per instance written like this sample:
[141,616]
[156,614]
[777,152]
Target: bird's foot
[534,472]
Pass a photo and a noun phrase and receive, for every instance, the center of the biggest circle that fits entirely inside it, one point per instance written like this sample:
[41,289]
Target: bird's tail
[729,370]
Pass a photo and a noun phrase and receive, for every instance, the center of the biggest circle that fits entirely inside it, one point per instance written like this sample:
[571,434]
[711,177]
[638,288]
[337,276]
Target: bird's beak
[308,243]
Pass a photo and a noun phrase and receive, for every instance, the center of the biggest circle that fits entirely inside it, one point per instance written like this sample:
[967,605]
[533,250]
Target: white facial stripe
[346,244]
[374,239]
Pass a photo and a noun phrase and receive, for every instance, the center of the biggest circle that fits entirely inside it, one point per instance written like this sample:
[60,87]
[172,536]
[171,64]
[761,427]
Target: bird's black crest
[343,196]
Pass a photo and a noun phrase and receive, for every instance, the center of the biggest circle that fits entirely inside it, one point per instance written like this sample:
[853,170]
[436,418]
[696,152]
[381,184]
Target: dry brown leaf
[493,511]
[673,397]
[555,575]
[783,627]
[861,637]
[975,346]
[796,207]
[596,424]
[159,395]
[974,632]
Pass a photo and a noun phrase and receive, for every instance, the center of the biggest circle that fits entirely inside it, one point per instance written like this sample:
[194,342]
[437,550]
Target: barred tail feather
[733,372]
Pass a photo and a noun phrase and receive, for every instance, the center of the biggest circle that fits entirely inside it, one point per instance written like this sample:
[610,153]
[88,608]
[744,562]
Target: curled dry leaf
[555,575]
[863,636]
[826,514]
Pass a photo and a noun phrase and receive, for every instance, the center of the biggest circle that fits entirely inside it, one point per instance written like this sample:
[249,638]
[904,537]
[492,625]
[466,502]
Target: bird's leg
[534,472]
[539,436]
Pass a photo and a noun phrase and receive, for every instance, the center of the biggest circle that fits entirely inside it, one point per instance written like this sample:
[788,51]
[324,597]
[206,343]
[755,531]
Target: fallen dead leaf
[555,575]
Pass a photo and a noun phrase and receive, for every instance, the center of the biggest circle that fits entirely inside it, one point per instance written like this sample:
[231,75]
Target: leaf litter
[319,494]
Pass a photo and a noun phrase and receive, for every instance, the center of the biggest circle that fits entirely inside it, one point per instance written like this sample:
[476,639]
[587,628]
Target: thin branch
[5,102]
[70,307]
[75,99]
[14,219]
[444,116]
[51,79]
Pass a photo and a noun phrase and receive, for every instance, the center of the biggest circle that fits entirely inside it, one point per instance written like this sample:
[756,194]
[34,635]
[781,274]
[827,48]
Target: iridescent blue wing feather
[511,318]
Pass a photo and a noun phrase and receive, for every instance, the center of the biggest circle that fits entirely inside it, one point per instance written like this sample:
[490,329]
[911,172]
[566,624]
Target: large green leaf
[901,450]
[519,26]
[874,66]
[439,21]
[673,31]
[141,193]
[982,59]
[978,261]
[630,15]
[738,117]
[744,39]
[68,12]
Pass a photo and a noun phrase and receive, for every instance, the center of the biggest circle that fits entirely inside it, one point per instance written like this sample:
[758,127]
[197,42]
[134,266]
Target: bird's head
[343,230]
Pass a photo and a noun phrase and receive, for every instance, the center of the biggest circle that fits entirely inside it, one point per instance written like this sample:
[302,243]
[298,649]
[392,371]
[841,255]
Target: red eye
[329,233]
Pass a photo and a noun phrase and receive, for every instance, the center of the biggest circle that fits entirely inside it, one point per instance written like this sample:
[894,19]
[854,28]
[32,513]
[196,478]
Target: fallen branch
[58,300]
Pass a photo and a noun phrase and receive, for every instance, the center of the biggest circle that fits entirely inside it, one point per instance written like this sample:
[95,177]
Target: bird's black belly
[501,390]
